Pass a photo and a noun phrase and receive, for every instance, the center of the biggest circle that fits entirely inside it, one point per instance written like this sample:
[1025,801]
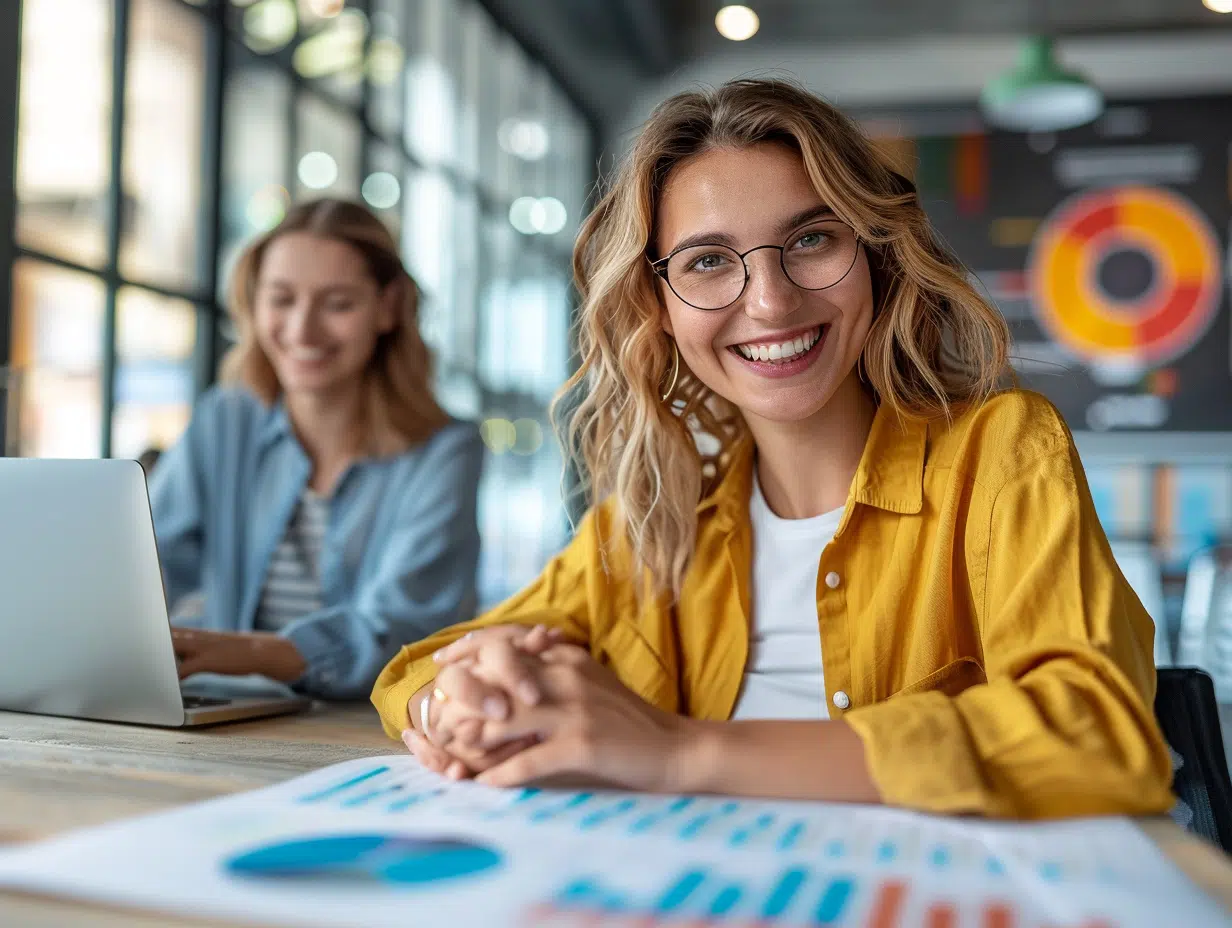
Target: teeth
[306,354]
[780,351]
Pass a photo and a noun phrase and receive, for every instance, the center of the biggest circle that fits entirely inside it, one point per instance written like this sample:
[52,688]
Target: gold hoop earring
[675,373]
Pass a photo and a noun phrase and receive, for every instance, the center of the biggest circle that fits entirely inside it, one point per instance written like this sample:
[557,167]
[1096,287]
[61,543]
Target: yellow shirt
[993,659]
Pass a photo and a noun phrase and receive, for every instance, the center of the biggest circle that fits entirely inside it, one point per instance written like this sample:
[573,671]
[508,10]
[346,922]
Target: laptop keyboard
[203,702]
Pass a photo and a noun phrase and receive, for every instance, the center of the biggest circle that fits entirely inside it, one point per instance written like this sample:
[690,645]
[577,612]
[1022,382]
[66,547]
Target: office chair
[1206,617]
[1189,716]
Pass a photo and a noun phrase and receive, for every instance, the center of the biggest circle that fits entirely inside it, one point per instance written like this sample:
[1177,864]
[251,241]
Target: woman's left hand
[589,727]
[236,653]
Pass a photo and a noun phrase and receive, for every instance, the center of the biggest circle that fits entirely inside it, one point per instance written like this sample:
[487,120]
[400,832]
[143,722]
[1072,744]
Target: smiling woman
[832,554]
[321,499]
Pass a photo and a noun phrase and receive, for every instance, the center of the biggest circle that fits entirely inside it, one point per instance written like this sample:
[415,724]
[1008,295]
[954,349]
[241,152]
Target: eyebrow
[328,289]
[723,238]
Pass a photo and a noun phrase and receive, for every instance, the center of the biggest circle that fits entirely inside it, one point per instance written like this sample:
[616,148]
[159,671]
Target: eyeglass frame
[660,267]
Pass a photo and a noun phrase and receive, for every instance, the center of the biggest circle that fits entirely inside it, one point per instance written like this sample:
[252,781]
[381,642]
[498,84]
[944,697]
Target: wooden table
[57,774]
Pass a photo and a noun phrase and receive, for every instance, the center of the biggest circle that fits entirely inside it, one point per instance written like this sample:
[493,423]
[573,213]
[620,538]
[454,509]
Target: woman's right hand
[481,673]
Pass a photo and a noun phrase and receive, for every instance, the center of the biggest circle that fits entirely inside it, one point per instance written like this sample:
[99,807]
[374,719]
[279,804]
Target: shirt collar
[277,425]
[890,475]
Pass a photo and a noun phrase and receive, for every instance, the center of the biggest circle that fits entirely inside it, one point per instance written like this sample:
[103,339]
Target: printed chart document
[382,841]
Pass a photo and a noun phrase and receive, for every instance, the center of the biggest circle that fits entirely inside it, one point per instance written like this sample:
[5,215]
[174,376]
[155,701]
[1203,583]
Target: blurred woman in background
[831,556]
[321,501]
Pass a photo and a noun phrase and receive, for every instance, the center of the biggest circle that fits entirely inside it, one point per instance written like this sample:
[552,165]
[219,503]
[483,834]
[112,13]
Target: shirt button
[833,580]
[841,699]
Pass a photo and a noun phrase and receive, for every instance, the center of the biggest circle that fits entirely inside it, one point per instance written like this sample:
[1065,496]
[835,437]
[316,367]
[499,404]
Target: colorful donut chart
[1148,328]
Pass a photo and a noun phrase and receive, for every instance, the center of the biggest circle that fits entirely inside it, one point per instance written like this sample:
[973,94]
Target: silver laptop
[84,630]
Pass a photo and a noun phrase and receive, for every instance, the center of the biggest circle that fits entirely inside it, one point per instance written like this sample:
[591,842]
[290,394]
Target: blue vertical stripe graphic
[784,892]
[595,819]
[834,901]
[343,787]
[679,893]
[727,899]
[789,837]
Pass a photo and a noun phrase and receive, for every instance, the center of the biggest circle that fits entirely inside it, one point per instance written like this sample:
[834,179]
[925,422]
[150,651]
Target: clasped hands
[513,705]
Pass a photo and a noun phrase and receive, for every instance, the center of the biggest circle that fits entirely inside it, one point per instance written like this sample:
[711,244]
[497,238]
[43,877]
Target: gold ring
[439,694]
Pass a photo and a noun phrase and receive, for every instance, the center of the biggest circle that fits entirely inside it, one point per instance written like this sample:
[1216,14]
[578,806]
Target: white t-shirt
[784,677]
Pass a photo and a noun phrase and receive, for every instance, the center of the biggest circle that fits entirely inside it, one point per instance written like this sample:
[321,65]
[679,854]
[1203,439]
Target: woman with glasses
[831,557]
[321,504]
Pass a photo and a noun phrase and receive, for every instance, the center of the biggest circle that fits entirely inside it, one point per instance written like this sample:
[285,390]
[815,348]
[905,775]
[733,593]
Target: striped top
[293,581]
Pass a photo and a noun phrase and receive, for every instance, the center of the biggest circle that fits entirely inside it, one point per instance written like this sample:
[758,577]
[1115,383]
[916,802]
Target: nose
[769,295]
[301,324]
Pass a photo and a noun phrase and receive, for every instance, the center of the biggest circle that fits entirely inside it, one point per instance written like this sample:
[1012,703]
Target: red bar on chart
[941,915]
[998,915]
[888,905]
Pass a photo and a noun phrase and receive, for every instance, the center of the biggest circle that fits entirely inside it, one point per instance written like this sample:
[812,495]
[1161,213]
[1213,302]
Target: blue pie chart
[365,858]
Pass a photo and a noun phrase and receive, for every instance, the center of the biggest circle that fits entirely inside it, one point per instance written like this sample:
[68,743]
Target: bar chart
[797,895]
[740,825]
[384,841]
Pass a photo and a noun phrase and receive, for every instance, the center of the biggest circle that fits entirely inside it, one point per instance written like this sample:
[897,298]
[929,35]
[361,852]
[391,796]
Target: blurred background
[1077,155]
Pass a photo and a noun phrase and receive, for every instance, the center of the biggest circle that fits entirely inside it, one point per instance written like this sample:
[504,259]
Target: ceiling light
[737,23]
[525,138]
[267,206]
[317,170]
[1038,95]
[326,8]
[269,25]
[526,215]
[1218,6]
[553,216]
[381,190]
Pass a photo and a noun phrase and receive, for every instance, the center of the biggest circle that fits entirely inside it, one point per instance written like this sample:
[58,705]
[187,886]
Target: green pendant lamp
[1038,95]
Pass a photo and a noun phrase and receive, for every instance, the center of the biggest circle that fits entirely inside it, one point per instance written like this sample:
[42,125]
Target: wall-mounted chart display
[1105,247]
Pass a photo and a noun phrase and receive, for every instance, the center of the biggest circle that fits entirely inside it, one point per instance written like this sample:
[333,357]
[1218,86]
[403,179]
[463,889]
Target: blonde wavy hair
[400,409]
[935,343]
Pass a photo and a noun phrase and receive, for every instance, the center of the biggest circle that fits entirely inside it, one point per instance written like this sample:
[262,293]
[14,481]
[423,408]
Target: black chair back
[1189,716]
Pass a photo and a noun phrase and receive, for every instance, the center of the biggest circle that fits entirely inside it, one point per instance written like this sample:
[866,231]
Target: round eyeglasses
[712,276]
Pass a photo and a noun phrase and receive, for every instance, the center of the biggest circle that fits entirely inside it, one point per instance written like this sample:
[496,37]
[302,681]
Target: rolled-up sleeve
[1064,724]
[424,579]
[559,598]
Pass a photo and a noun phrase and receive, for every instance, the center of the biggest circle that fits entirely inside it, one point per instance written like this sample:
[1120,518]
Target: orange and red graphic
[1126,274]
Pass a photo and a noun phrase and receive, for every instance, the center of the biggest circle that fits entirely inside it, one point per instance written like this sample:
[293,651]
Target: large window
[156,137]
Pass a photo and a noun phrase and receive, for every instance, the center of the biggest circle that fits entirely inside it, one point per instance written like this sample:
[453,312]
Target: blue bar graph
[680,891]
[648,821]
[784,892]
[742,836]
[694,827]
[330,791]
[886,852]
[726,900]
[834,901]
[406,802]
[542,815]
[702,895]
[602,816]
[836,848]
[940,857]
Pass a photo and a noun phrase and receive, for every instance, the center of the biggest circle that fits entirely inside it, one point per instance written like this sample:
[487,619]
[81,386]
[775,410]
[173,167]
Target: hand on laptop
[237,654]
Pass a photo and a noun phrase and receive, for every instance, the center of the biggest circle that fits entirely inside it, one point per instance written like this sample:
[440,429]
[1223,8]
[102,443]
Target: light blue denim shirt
[400,552]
